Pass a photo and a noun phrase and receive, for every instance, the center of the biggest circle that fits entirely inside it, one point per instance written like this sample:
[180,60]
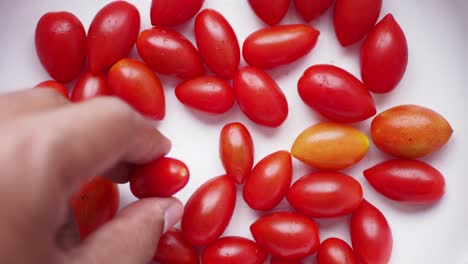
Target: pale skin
[48,148]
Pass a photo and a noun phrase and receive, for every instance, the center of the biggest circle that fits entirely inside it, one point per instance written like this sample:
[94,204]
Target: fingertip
[172,214]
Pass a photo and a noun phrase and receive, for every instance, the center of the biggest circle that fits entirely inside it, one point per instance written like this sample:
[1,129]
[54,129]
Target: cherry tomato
[217,43]
[286,235]
[271,12]
[410,131]
[209,211]
[311,9]
[96,203]
[384,56]
[260,97]
[90,86]
[135,83]
[112,34]
[269,181]
[407,181]
[206,93]
[354,19]
[336,94]
[169,52]
[278,45]
[236,151]
[166,13]
[325,194]
[173,249]
[61,45]
[371,235]
[55,86]
[233,250]
[161,178]
[330,146]
[280,261]
[336,251]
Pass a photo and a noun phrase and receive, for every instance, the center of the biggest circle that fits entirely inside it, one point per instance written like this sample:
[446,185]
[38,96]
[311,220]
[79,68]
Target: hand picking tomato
[236,151]
[269,181]
[260,97]
[166,13]
[279,45]
[173,249]
[137,84]
[336,94]
[280,261]
[336,251]
[208,211]
[60,88]
[61,45]
[271,12]
[384,56]
[90,86]
[311,9]
[233,250]
[112,34]
[96,203]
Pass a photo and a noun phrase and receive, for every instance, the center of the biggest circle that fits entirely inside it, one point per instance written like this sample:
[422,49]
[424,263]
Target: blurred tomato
[166,13]
[271,12]
[280,261]
[90,86]
[60,88]
[173,249]
[336,251]
[311,9]
[233,250]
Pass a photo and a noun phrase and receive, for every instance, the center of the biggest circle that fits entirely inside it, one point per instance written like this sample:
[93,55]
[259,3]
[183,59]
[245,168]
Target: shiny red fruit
[271,12]
[166,13]
[90,86]
[234,250]
[173,249]
[60,88]
[336,251]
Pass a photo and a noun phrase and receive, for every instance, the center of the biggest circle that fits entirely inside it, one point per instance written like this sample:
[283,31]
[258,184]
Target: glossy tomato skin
[60,40]
[206,93]
[236,150]
[166,13]
[260,97]
[354,19]
[173,249]
[280,261]
[279,45]
[384,56]
[269,181]
[89,86]
[311,9]
[112,34]
[208,211]
[325,194]
[336,94]
[168,52]
[336,251]
[60,88]
[286,235]
[271,12]
[234,250]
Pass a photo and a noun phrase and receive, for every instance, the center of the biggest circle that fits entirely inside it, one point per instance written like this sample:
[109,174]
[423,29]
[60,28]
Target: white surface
[437,78]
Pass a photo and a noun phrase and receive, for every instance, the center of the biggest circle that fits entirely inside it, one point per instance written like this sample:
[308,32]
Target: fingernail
[172,215]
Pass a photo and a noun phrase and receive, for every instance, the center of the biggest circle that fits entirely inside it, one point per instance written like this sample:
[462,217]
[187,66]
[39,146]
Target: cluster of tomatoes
[406,132]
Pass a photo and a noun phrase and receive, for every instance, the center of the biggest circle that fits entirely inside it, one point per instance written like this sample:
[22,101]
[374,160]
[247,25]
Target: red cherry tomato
[311,9]
[135,83]
[206,93]
[336,94]
[165,13]
[233,250]
[271,12]
[208,211]
[269,181]
[61,45]
[217,43]
[325,194]
[336,251]
[354,19]
[384,56]
[90,86]
[96,203]
[173,249]
[280,261]
[169,52]
[371,235]
[260,97]
[112,34]
[286,235]
[55,86]
[278,45]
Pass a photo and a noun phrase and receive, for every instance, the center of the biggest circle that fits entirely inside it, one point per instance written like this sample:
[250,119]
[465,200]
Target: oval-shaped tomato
[286,235]
[271,12]
[236,151]
[279,45]
[161,178]
[173,249]
[407,181]
[89,86]
[336,94]
[95,203]
[61,45]
[280,261]
[233,250]
[354,19]
[410,131]
[269,181]
[166,13]
[206,93]
[325,194]
[384,56]
[208,211]
[336,251]
[260,97]
[311,9]
[112,34]
[168,52]
[330,146]
[54,85]
[371,235]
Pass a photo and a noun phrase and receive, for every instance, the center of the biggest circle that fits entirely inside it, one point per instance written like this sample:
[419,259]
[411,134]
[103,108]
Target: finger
[120,173]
